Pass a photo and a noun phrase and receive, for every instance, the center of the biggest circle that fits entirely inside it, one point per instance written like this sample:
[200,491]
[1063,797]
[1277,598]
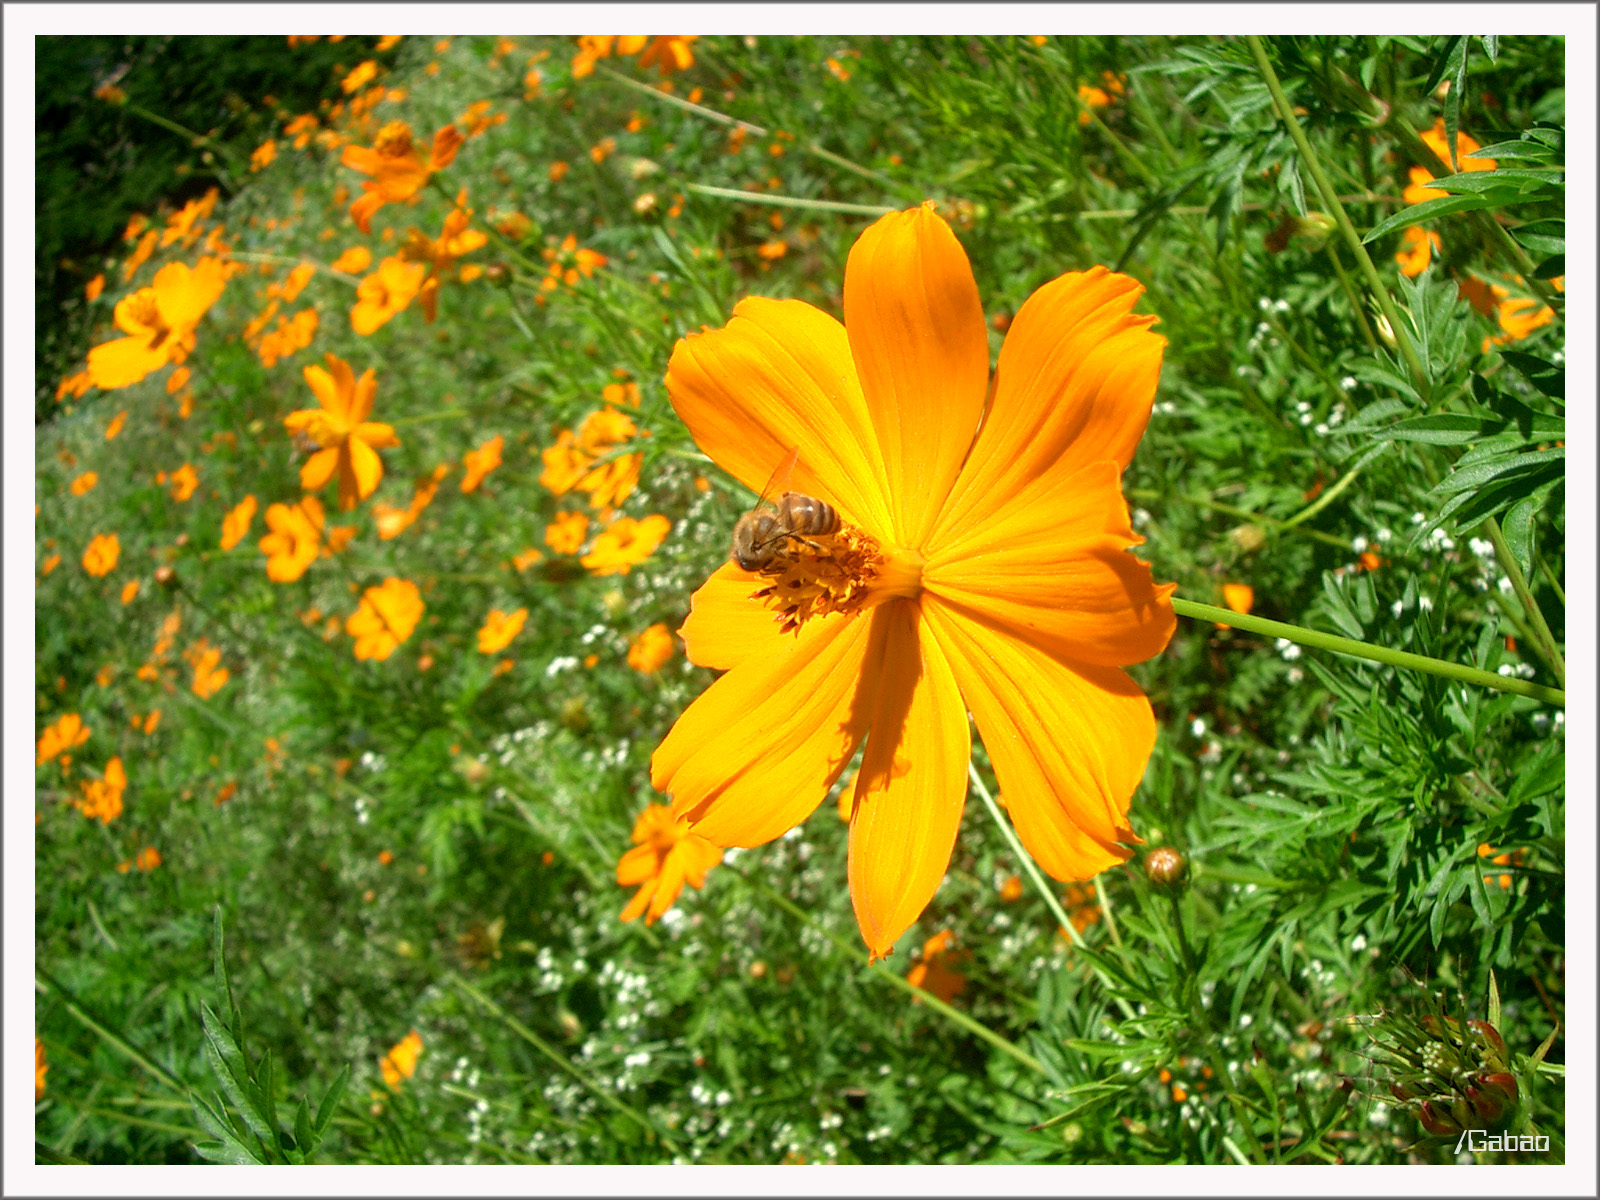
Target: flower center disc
[846,571]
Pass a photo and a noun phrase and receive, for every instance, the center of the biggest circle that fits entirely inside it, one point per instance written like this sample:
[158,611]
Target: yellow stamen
[846,571]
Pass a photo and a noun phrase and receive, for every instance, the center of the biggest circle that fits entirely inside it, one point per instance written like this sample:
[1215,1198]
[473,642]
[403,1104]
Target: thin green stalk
[1105,908]
[1330,201]
[954,1015]
[196,140]
[1031,869]
[1243,514]
[43,981]
[561,1060]
[1355,649]
[1353,299]
[1555,584]
[868,210]
[1530,607]
[699,110]
[1322,501]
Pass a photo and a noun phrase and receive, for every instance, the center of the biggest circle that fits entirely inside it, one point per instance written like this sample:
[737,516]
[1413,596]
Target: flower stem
[869,210]
[1244,514]
[1355,649]
[1353,299]
[1322,501]
[1330,200]
[1530,607]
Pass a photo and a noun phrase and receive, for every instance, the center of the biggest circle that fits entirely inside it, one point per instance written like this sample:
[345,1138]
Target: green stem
[1322,501]
[560,1060]
[43,981]
[1330,201]
[195,139]
[1530,607]
[1244,514]
[1355,649]
[1353,299]
[954,1015]
[1036,877]
[699,110]
[868,210]
[1555,584]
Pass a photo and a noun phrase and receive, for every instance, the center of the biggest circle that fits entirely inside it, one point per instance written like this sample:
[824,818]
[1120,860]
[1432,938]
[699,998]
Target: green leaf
[1543,237]
[305,1138]
[1443,429]
[1494,1000]
[1545,376]
[1428,210]
[227,1063]
[1451,55]
[1514,182]
[1485,473]
[1551,267]
[1491,45]
[219,962]
[1518,530]
[331,1098]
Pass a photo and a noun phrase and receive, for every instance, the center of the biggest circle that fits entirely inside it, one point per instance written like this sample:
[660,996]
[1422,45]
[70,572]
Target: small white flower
[1504,585]
[1348,383]
[1425,603]
[1383,535]
[1358,543]
[1358,943]
[1397,607]
[1198,727]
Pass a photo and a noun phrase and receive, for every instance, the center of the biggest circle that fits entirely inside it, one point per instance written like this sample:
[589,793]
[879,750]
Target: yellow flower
[1418,252]
[102,798]
[261,157]
[651,650]
[624,544]
[387,291]
[130,591]
[500,629]
[84,484]
[401,1061]
[64,735]
[40,1070]
[359,77]
[480,462]
[295,540]
[160,321]
[387,616]
[353,261]
[100,558]
[237,522]
[209,673]
[1440,145]
[565,534]
[667,853]
[669,53]
[350,443]
[983,572]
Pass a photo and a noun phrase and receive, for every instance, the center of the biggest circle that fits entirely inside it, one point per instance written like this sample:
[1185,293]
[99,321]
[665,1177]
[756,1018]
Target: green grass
[1330,809]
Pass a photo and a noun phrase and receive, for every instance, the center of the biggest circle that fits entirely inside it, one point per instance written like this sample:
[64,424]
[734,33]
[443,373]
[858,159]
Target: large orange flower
[395,164]
[981,566]
[160,321]
[350,443]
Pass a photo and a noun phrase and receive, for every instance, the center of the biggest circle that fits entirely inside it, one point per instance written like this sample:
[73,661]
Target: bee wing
[779,482]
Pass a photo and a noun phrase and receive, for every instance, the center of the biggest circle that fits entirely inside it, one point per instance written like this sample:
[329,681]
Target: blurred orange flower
[667,853]
[480,462]
[499,630]
[358,78]
[1436,140]
[183,482]
[209,673]
[387,617]
[353,261]
[295,540]
[396,167]
[1417,251]
[651,650]
[387,291]
[936,972]
[1240,597]
[440,255]
[592,47]
[100,558]
[237,523]
[40,1070]
[115,425]
[669,53]
[64,735]
[102,798]
[401,1061]
[130,591]
[92,289]
[160,321]
[84,484]
[565,534]
[624,544]
[350,443]
[261,157]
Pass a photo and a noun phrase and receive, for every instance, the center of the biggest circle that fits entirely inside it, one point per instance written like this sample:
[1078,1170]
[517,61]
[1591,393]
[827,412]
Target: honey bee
[302,445]
[765,530]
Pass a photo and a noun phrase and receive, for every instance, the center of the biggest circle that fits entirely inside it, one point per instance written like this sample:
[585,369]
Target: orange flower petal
[124,362]
[1069,743]
[1075,384]
[921,349]
[376,434]
[636,866]
[363,391]
[779,378]
[318,469]
[725,626]
[757,752]
[1052,568]
[912,783]
[366,467]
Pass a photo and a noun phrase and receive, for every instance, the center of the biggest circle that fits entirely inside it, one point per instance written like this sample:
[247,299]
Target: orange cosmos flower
[130,591]
[1519,317]
[665,856]
[558,171]
[353,261]
[499,630]
[209,673]
[84,484]
[1440,145]
[569,263]
[152,722]
[564,464]
[480,462]
[1240,597]
[528,558]
[386,618]
[651,650]
[261,157]
[40,1069]
[349,441]
[160,321]
[401,1061]
[64,735]
[624,394]
[669,53]
[983,572]
[625,544]
[183,482]
[592,47]
[100,558]
[565,534]
[936,972]
[116,424]
[237,523]
[182,225]
[359,77]
[396,167]
[440,256]
[295,540]
[387,291]
[102,798]
[1417,252]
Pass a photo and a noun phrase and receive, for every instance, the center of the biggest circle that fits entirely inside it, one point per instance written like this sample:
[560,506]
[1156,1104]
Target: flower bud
[498,273]
[1385,332]
[1249,538]
[1165,867]
[1437,1122]
[1493,1098]
[644,203]
[166,576]
[643,168]
[1494,1044]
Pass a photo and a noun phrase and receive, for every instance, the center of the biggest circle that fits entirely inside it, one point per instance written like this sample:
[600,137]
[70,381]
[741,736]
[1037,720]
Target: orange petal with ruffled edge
[921,349]
[912,783]
[319,468]
[184,295]
[1069,743]
[1052,568]
[725,626]
[1075,383]
[757,752]
[779,378]
[124,362]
